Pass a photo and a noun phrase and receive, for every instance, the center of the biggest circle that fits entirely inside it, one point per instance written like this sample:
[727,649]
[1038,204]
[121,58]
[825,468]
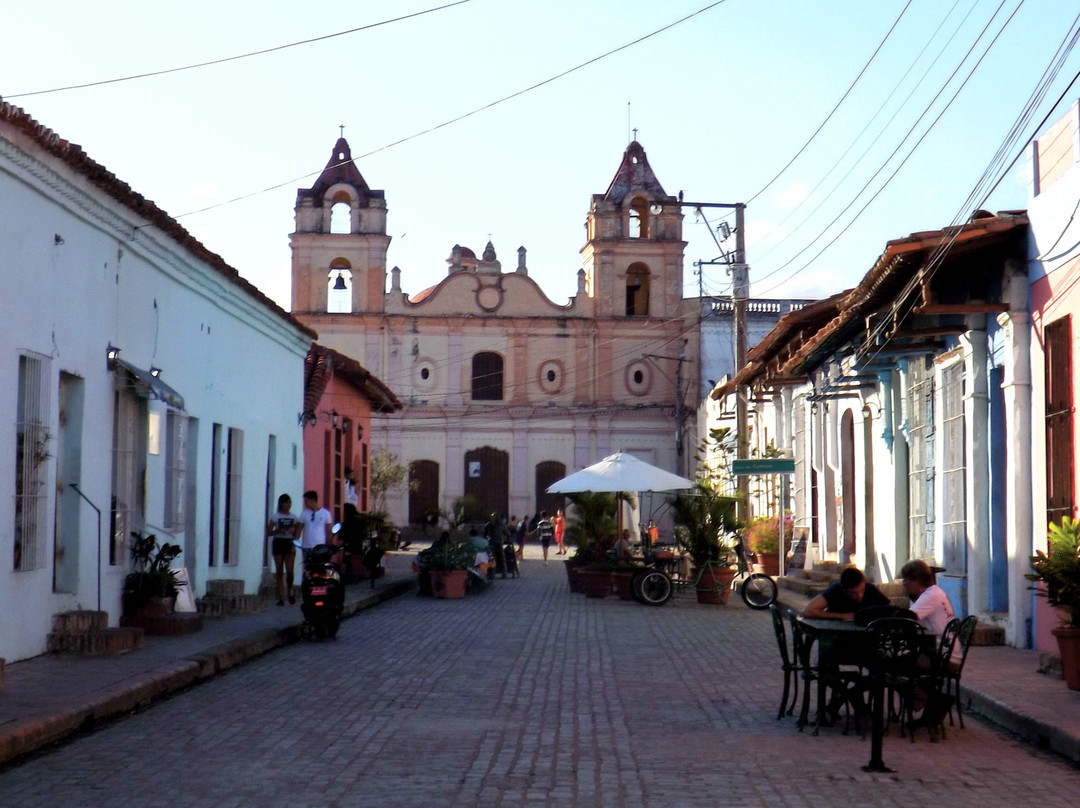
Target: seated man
[934,611]
[845,597]
[928,600]
[622,551]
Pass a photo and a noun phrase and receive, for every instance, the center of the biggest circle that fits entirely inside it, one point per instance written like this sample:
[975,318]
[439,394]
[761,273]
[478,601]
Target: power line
[238,57]
[469,114]
[904,140]
[836,107]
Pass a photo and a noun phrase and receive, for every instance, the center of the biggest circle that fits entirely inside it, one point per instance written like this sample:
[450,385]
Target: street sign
[765,465]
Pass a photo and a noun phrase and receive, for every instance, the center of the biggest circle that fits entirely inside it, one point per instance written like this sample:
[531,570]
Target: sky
[841,124]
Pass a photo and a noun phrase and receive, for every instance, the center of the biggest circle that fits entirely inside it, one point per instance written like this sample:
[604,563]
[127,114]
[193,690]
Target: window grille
[920,467]
[1059,419]
[129,422]
[234,467]
[176,429]
[954,471]
[32,453]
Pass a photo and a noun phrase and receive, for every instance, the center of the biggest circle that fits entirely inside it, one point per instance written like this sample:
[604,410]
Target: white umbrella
[620,472]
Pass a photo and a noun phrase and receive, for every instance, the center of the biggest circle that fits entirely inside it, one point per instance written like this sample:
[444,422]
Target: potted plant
[591,526]
[150,589]
[444,567]
[704,521]
[1058,569]
[764,538]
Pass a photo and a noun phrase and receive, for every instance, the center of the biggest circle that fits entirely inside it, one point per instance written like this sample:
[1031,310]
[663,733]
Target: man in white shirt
[316,523]
[928,600]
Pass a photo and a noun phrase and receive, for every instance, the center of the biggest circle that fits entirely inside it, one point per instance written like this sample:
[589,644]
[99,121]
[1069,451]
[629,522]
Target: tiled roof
[75,158]
[323,363]
[801,337]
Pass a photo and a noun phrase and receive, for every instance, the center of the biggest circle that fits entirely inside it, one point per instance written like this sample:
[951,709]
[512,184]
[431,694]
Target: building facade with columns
[503,390]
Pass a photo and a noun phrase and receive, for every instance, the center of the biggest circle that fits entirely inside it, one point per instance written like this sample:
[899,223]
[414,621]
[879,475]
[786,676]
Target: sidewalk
[50,697]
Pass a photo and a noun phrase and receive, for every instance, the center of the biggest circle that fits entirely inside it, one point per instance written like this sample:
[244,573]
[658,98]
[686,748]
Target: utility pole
[740,293]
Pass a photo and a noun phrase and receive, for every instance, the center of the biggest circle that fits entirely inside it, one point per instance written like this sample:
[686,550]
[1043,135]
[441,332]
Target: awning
[152,385]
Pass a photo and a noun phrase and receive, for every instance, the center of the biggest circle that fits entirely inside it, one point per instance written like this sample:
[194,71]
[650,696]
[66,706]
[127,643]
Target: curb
[1035,731]
[24,737]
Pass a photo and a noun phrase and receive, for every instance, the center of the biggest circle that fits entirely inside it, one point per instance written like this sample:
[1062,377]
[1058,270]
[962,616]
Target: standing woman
[283,529]
[560,532]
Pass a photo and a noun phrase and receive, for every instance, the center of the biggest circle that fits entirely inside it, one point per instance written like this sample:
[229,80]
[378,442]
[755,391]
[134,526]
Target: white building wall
[79,271]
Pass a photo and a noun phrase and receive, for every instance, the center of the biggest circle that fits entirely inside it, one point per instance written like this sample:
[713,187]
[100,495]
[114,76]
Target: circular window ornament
[638,378]
[551,376]
[489,298]
[424,374]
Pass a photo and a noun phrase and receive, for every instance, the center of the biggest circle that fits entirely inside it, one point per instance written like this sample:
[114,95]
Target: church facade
[503,390]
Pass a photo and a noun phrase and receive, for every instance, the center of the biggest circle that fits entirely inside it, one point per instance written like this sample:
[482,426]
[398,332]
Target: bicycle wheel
[758,590]
[652,587]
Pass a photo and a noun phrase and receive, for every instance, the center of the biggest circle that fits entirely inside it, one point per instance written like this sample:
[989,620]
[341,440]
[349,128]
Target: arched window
[341,217]
[487,377]
[639,218]
[637,290]
[339,284]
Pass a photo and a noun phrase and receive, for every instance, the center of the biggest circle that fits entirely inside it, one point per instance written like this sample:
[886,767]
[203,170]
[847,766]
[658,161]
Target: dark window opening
[487,377]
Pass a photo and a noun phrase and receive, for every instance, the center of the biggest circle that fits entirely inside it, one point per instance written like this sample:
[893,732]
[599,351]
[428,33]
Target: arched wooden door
[487,478]
[546,473]
[423,491]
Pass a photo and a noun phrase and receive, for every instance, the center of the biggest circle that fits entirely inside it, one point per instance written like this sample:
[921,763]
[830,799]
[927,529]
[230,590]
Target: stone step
[225,588]
[169,625]
[988,635]
[79,622]
[97,642]
[216,606]
[805,587]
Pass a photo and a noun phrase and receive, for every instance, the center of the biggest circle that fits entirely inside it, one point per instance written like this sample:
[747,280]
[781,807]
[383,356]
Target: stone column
[977,461]
[1016,387]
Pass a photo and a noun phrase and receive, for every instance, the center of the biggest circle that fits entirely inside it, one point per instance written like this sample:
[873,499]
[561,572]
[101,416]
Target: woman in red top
[560,532]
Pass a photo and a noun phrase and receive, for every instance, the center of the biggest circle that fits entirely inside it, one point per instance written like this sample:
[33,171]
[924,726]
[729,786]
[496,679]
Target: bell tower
[634,249]
[339,243]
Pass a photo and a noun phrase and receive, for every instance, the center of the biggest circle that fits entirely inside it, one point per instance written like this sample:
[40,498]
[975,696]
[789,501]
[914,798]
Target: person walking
[560,532]
[522,532]
[546,531]
[283,529]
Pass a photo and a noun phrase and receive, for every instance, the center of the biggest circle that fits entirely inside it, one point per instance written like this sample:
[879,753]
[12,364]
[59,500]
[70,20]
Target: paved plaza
[524,695]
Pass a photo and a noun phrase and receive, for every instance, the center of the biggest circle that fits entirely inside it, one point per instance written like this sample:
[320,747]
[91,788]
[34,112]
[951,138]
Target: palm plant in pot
[704,523]
[151,586]
[591,526]
[1058,569]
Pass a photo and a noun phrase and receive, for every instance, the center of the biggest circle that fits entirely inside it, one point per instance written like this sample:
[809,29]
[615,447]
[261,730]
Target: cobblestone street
[523,696]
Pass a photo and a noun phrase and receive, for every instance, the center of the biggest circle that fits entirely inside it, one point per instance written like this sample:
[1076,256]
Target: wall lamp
[870,412]
[112,356]
[334,419]
[360,432]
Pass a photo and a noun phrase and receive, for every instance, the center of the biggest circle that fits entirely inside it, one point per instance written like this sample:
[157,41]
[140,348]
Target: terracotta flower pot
[714,585]
[572,570]
[595,583]
[623,584]
[769,563]
[449,583]
[1068,638]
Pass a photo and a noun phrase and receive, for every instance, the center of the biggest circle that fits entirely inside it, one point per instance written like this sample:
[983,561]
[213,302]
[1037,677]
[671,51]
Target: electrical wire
[903,141]
[465,115]
[832,112]
[238,57]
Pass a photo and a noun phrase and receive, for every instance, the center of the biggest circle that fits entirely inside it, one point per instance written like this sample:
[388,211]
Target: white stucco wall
[79,271]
